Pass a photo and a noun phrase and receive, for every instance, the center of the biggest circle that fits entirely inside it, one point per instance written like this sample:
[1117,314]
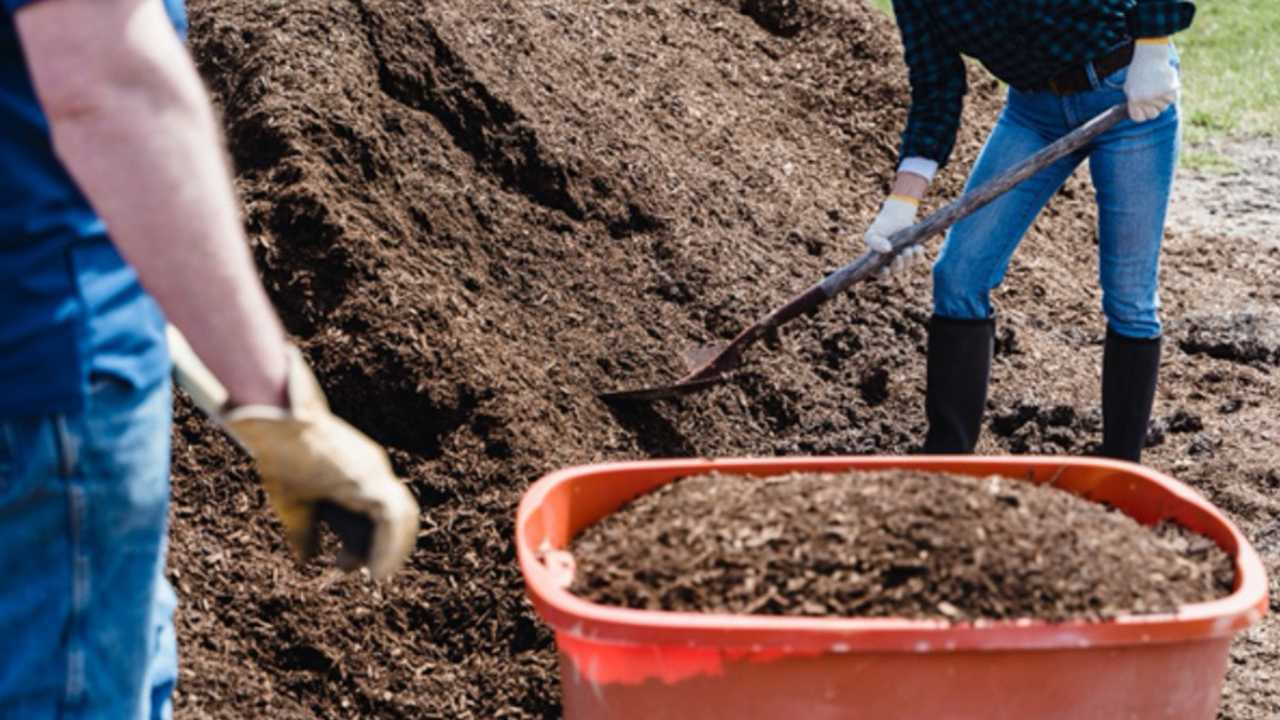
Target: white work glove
[897,213]
[1151,84]
[308,457]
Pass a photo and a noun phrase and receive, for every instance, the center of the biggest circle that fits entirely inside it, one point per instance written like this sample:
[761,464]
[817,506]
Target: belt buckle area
[1055,88]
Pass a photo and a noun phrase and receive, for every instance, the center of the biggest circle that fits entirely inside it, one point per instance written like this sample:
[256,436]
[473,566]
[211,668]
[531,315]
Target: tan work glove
[314,466]
[309,460]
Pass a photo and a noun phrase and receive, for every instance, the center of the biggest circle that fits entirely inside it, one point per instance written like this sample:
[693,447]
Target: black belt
[1076,79]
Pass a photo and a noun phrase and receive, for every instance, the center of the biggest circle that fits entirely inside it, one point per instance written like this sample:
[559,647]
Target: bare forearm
[909,184]
[144,147]
[156,177]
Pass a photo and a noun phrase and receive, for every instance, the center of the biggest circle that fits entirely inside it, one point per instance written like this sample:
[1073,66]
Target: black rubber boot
[956,384]
[1129,370]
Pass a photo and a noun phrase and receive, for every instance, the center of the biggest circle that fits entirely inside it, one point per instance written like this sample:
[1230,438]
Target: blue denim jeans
[86,615]
[1132,167]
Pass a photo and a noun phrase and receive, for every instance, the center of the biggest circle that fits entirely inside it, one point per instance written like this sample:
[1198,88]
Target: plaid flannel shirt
[1023,42]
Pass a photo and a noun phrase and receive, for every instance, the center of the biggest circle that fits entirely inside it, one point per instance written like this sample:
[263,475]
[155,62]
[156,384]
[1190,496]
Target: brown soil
[475,215]
[892,544]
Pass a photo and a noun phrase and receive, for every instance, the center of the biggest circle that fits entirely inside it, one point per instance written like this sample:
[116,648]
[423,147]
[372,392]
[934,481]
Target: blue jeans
[86,615]
[1132,167]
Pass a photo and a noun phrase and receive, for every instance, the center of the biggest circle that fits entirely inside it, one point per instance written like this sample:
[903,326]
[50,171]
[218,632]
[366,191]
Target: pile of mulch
[890,544]
[473,216]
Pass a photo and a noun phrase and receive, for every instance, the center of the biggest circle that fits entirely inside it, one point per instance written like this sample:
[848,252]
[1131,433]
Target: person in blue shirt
[116,210]
[1064,62]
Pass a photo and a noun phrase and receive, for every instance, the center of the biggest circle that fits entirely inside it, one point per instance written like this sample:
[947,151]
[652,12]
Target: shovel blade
[661,392]
[697,358]
[701,375]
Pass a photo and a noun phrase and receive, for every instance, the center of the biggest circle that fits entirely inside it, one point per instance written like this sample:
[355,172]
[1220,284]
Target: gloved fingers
[302,537]
[305,541]
[395,530]
[877,242]
[1150,110]
[1141,111]
[298,519]
[906,258]
[910,257]
[1147,100]
[378,527]
[890,268]
[378,533]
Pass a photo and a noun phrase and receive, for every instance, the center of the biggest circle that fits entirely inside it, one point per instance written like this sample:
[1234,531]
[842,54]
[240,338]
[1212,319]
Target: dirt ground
[1238,198]
[473,216]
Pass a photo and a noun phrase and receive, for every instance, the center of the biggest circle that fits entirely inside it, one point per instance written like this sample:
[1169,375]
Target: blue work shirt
[71,310]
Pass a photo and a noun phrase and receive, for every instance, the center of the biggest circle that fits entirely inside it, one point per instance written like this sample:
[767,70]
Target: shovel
[714,365]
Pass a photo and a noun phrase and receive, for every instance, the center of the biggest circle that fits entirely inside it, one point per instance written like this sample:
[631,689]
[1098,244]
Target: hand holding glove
[1151,84]
[308,457]
[313,466]
[897,213]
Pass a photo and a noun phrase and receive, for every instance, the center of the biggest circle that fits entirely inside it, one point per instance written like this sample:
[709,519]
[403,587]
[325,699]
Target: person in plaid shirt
[1065,61]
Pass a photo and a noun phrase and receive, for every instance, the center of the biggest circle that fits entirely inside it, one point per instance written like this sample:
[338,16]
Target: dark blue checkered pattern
[1023,42]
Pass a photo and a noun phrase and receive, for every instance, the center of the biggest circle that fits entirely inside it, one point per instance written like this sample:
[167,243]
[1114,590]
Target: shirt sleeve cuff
[924,167]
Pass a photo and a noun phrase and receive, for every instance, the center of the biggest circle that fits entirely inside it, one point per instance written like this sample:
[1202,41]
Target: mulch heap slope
[474,216]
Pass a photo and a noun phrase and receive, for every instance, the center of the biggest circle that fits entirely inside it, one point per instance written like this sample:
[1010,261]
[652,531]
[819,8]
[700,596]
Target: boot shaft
[959,369]
[1130,368]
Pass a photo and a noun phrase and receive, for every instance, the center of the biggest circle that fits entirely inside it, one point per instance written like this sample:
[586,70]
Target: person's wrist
[267,388]
[914,202]
[265,394]
[1154,53]
[921,167]
[908,184]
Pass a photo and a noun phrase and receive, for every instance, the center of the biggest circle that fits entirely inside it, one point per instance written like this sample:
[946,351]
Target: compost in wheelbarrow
[628,663]
[890,544]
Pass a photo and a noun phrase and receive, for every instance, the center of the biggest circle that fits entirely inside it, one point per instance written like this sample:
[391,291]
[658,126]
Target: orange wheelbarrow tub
[620,663]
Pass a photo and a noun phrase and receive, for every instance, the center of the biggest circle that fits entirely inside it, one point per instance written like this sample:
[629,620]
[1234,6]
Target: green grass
[1203,158]
[1230,70]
